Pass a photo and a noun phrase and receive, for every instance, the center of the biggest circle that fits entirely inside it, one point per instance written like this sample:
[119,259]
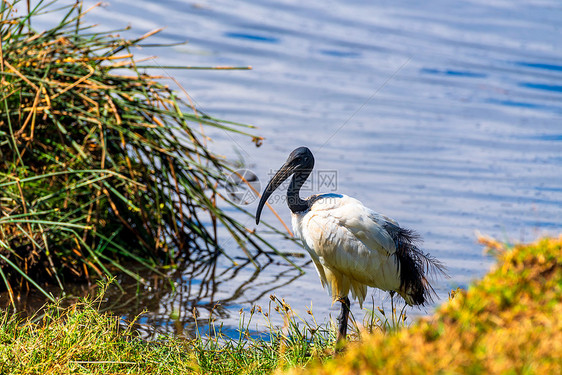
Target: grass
[102,166]
[508,322]
[80,339]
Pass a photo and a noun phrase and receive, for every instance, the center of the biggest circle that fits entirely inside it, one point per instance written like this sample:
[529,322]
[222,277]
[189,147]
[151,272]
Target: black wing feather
[415,265]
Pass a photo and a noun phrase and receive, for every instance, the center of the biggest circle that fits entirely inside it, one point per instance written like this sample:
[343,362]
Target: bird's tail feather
[415,267]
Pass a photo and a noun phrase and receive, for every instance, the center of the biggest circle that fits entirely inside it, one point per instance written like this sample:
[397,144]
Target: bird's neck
[296,204]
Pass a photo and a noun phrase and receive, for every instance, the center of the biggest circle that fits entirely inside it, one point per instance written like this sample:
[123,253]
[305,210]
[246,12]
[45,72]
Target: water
[443,115]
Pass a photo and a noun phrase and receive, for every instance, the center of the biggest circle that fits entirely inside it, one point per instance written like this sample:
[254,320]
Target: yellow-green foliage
[509,322]
[82,340]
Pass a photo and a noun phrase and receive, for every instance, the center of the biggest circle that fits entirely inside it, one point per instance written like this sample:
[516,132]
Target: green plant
[101,164]
[80,339]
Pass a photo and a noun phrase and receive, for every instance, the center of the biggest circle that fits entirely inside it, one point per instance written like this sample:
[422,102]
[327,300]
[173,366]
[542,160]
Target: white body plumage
[350,246]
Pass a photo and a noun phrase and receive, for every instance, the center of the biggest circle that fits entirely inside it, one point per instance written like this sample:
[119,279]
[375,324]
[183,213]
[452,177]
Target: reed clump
[101,164]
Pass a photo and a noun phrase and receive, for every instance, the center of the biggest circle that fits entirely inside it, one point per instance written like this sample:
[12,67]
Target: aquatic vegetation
[102,166]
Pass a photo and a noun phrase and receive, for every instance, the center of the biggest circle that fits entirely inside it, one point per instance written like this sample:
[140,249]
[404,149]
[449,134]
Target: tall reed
[101,164]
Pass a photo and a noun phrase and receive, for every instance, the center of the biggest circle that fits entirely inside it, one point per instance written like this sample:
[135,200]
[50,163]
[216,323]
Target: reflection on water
[183,301]
[442,115]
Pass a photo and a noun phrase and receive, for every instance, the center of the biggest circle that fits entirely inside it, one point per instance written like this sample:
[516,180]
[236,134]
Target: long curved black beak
[282,174]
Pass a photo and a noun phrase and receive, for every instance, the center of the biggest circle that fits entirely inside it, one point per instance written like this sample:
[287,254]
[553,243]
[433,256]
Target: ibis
[352,246]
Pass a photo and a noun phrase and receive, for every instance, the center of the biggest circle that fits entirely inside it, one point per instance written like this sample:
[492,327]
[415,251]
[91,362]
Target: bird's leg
[342,319]
[392,292]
